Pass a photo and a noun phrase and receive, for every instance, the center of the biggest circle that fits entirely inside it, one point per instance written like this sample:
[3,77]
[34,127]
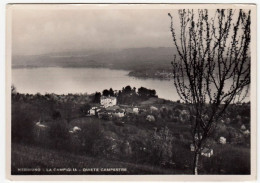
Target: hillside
[118,59]
[60,132]
[48,159]
[150,60]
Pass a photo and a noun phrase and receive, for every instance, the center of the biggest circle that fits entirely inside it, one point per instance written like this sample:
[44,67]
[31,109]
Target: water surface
[87,80]
[84,80]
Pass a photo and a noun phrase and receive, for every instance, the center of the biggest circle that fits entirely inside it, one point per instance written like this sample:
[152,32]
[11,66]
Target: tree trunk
[196,163]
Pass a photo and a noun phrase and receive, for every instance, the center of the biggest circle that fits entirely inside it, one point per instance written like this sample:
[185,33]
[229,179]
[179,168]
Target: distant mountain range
[127,59]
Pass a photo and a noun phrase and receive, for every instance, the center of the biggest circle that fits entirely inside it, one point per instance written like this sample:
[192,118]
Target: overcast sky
[39,31]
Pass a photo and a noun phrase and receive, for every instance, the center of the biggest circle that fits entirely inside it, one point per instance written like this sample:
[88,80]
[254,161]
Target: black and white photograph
[127,89]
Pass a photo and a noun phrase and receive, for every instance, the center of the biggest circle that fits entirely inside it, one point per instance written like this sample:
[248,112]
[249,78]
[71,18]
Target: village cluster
[108,108]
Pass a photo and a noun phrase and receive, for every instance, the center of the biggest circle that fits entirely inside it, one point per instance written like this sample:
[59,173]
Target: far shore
[132,73]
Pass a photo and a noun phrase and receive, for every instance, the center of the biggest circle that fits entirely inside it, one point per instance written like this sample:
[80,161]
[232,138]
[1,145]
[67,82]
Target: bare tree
[212,67]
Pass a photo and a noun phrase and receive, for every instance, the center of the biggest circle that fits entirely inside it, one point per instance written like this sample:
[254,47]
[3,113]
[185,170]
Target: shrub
[161,146]
[22,127]
[90,134]
[22,123]
[58,134]
[85,108]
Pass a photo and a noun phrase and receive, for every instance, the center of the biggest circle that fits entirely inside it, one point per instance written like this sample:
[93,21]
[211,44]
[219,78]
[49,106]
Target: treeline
[127,95]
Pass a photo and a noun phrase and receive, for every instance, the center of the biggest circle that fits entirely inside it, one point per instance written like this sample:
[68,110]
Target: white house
[92,111]
[75,129]
[107,101]
[222,140]
[207,152]
[136,110]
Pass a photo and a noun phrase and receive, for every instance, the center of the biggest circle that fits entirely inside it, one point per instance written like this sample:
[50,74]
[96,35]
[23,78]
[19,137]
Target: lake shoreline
[132,73]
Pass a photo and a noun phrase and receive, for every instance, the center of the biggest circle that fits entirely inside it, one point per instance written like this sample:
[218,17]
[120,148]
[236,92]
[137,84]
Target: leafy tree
[127,89]
[22,125]
[105,92]
[111,92]
[161,144]
[152,93]
[145,93]
[212,69]
[85,108]
[97,97]
[58,133]
[56,115]
[90,134]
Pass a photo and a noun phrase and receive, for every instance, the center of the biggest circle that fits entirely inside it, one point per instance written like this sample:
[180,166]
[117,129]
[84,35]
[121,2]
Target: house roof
[112,107]
[129,110]
[206,150]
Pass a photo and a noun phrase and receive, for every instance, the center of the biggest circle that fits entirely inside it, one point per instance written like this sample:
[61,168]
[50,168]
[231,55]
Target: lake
[87,80]
[84,80]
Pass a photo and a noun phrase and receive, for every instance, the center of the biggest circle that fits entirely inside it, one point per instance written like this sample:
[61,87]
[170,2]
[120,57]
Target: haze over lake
[84,80]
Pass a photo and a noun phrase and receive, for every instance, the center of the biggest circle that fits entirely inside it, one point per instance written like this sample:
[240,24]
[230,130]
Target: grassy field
[46,159]
[226,160]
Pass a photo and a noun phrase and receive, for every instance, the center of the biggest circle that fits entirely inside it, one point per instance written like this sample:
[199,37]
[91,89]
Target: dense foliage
[162,143]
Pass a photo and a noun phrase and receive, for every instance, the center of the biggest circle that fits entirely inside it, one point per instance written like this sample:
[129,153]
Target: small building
[222,140]
[135,110]
[207,152]
[92,111]
[150,118]
[108,101]
[75,129]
